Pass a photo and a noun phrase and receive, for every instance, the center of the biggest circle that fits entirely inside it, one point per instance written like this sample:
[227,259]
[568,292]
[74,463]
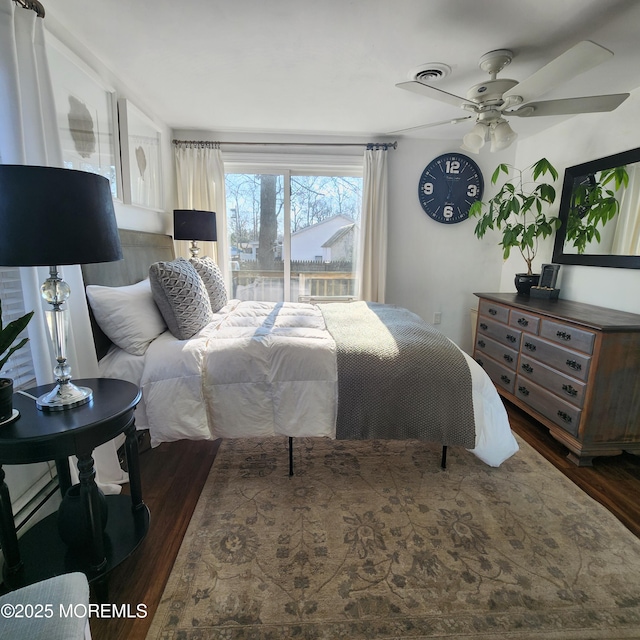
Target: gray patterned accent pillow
[181,297]
[211,275]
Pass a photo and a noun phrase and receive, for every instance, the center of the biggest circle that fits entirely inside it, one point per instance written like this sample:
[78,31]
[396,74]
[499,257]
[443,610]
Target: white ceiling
[330,66]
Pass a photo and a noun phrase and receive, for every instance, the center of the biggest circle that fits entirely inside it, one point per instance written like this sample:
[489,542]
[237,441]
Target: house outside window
[293,233]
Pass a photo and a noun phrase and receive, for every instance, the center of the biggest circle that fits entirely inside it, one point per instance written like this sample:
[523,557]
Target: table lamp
[50,217]
[189,224]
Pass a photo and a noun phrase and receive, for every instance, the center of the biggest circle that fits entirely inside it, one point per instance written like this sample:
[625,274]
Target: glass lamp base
[63,397]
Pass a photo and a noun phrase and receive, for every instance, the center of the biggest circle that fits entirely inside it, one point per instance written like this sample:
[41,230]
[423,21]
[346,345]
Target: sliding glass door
[293,234]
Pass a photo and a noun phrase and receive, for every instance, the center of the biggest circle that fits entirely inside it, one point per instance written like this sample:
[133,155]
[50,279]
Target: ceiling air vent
[430,72]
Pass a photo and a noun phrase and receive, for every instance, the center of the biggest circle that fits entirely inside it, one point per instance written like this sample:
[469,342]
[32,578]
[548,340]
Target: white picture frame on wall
[86,116]
[141,155]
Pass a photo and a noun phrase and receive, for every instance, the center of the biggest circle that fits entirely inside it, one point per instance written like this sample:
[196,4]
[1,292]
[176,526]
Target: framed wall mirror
[619,244]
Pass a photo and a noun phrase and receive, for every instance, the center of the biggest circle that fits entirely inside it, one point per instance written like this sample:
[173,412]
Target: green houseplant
[8,337]
[519,210]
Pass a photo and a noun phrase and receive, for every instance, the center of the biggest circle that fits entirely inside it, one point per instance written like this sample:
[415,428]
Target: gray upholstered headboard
[140,250]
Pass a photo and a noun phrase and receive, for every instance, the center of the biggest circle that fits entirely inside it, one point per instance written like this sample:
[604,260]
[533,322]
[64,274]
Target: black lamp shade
[189,224]
[52,216]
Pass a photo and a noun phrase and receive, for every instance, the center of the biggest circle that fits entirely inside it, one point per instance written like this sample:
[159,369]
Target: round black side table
[38,436]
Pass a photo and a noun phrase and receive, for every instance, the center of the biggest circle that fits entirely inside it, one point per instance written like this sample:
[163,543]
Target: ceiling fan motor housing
[490,91]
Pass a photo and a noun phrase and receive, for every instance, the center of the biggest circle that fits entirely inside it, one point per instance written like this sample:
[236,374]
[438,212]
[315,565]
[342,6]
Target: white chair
[54,609]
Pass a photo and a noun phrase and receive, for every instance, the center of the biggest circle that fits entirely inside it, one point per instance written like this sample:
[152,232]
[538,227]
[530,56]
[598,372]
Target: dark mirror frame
[570,174]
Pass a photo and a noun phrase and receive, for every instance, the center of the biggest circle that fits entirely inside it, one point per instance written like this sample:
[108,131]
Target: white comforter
[261,369]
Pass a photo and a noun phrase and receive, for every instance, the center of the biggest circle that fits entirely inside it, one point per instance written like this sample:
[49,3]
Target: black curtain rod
[34,5]
[204,144]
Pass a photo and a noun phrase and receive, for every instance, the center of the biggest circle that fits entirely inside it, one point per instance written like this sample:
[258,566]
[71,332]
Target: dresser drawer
[558,411]
[496,350]
[573,364]
[525,321]
[567,388]
[500,375]
[501,332]
[568,336]
[493,310]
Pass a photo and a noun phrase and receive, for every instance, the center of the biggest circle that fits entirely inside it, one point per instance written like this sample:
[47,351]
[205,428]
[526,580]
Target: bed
[352,370]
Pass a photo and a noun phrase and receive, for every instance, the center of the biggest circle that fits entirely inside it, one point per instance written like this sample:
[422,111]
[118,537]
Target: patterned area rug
[371,539]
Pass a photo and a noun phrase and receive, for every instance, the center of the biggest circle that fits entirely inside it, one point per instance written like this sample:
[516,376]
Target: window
[20,366]
[293,234]
[29,483]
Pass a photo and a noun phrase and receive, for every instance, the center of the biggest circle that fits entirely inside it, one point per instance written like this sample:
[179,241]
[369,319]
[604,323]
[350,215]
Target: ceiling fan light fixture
[475,139]
[502,135]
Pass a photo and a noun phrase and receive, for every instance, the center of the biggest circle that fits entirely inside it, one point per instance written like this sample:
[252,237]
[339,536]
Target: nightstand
[38,436]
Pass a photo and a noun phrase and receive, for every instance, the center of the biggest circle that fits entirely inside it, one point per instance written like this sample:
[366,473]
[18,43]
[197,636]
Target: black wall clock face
[448,187]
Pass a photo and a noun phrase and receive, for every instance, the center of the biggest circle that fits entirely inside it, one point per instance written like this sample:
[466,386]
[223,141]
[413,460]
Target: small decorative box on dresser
[573,367]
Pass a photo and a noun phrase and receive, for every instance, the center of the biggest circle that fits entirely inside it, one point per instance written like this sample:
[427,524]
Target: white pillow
[128,315]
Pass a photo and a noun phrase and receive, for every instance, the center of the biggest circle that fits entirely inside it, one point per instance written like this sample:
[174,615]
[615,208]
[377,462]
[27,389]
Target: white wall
[434,267]
[128,216]
[581,139]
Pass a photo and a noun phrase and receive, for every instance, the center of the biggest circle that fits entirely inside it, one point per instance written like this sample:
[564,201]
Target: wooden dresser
[573,367]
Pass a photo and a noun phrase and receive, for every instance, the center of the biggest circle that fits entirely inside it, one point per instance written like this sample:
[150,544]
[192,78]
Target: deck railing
[256,284]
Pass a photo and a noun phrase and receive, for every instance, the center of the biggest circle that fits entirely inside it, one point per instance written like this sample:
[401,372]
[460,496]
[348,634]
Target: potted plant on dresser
[519,210]
[8,337]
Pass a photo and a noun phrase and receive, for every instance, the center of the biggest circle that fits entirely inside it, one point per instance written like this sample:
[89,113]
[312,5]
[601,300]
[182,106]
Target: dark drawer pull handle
[480,362]
[505,379]
[565,416]
[527,367]
[493,312]
[523,390]
[507,357]
[574,365]
[483,326]
[564,335]
[523,322]
[482,344]
[569,390]
[529,346]
[511,338]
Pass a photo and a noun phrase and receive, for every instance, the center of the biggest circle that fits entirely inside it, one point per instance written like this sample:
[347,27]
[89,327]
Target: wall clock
[448,187]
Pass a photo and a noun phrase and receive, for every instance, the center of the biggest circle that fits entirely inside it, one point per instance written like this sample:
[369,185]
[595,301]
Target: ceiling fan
[490,101]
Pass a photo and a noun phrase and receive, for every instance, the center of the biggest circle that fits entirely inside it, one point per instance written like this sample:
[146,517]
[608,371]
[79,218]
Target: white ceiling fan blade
[427,126]
[432,92]
[580,58]
[570,106]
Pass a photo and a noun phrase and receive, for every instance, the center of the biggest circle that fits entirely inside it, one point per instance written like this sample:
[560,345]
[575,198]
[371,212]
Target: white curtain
[626,241]
[29,135]
[372,256]
[200,185]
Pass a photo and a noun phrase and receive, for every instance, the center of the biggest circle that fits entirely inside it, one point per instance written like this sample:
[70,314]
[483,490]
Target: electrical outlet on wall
[437,317]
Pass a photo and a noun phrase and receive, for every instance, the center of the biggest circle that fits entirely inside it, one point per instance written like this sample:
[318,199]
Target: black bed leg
[290,456]
[443,463]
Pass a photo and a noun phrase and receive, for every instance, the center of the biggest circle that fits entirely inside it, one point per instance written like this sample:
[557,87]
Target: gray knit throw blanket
[398,377]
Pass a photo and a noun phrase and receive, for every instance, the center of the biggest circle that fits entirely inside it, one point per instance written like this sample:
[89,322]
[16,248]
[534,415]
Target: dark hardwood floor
[173,475]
